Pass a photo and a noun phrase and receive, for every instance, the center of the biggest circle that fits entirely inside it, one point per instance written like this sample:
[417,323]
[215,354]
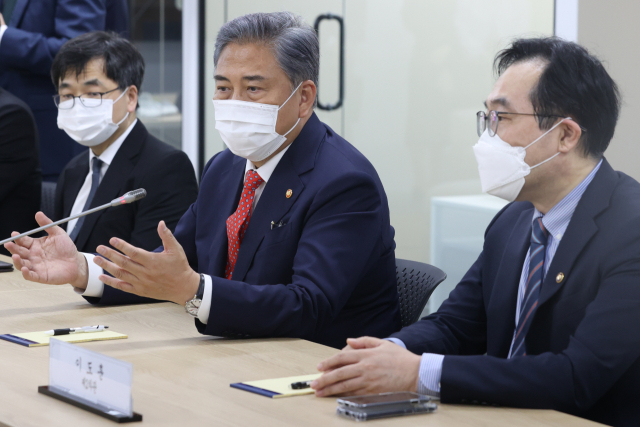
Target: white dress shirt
[107,158]
[3,28]
[95,287]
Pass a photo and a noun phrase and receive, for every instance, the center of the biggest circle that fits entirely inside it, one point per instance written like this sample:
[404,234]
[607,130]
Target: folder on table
[277,387]
[39,339]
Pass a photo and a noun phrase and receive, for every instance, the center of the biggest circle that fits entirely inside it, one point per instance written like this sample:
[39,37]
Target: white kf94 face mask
[502,167]
[91,123]
[249,128]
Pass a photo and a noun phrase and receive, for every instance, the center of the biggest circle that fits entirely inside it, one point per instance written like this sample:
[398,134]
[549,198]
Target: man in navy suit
[290,234]
[547,315]
[31,33]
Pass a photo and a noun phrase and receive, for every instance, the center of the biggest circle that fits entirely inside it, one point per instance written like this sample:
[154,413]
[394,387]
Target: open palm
[53,259]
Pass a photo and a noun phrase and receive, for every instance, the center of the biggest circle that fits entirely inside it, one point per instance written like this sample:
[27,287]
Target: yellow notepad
[277,387]
[39,339]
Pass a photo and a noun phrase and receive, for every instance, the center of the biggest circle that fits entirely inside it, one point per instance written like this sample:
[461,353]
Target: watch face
[192,307]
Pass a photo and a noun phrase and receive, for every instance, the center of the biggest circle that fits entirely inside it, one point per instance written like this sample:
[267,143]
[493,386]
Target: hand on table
[366,366]
[53,259]
[164,276]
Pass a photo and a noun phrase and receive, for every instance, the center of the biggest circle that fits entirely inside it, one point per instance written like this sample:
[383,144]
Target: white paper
[91,376]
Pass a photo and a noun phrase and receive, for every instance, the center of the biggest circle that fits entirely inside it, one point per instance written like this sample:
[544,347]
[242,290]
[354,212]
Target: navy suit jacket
[326,274]
[35,33]
[583,346]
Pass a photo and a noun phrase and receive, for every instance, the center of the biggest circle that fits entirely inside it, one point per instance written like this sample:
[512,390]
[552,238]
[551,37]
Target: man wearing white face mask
[98,76]
[290,235]
[546,317]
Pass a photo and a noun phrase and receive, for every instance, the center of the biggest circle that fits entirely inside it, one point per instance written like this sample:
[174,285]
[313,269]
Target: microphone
[130,197]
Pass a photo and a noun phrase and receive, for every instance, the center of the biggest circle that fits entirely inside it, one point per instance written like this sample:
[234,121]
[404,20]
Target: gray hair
[294,42]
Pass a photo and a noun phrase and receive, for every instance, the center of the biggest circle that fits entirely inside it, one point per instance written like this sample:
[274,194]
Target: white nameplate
[101,380]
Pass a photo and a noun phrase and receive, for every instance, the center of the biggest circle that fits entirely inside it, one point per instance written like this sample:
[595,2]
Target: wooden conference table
[181,377]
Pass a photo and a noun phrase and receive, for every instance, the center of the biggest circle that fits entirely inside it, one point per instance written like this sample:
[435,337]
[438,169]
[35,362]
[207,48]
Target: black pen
[301,385]
[67,331]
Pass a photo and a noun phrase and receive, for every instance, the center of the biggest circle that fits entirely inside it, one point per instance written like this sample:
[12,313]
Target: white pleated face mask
[90,124]
[249,128]
[502,167]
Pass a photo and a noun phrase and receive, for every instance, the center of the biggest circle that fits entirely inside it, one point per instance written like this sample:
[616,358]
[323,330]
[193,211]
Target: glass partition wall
[156,30]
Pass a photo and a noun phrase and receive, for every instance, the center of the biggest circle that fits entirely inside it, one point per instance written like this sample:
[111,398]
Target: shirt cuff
[430,374]
[205,305]
[3,28]
[95,288]
[397,342]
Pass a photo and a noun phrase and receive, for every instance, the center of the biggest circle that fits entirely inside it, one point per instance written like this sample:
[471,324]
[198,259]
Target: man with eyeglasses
[98,77]
[547,316]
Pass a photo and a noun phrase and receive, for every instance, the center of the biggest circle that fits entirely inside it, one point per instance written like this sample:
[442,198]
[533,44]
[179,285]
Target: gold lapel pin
[289,193]
[560,277]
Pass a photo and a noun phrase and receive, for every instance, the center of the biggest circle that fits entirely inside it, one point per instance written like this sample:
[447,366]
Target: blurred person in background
[20,176]
[31,33]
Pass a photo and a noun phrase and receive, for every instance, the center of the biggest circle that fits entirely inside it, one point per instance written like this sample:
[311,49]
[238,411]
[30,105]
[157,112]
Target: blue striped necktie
[96,166]
[529,304]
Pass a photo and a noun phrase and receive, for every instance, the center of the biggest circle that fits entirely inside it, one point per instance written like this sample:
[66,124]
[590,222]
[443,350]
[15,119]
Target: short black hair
[574,83]
[123,63]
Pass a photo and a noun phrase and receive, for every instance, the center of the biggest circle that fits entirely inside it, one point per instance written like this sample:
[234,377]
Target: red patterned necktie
[238,222]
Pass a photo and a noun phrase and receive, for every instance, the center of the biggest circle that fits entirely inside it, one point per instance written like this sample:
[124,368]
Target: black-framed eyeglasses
[494,119]
[89,99]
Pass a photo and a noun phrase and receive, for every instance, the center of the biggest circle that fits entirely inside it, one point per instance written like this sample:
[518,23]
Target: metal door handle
[316,26]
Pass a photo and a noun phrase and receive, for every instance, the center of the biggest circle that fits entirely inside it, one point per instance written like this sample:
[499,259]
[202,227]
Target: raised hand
[53,259]
[165,275]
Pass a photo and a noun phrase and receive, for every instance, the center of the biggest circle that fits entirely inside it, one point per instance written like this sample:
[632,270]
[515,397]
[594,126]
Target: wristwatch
[193,305]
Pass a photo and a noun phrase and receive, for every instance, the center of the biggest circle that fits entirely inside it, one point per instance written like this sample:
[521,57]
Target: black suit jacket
[141,162]
[20,177]
[583,347]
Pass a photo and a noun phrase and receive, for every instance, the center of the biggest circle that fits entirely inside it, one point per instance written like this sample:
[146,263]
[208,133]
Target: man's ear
[570,133]
[132,99]
[308,93]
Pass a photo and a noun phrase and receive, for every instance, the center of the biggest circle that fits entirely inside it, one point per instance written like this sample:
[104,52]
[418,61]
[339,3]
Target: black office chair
[48,198]
[416,282]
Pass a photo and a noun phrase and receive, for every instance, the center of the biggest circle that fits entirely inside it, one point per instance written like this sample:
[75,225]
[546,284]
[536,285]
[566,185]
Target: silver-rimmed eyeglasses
[89,99]
[493,118]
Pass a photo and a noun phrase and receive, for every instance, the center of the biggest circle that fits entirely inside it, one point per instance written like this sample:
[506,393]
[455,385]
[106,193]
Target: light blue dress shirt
[556,222]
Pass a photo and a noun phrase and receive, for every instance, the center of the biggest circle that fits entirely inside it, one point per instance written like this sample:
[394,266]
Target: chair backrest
[416,282]
[48,198]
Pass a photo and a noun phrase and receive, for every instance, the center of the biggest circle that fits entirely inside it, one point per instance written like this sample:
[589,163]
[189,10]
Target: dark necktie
[96,165]
[238,223]
[529,304]
[7,10]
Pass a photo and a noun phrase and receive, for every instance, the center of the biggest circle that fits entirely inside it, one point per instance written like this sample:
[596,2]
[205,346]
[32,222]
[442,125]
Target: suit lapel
[272,206]
[114,181]
[75,177]
[504,298]
[18,12]
[581,229]
[274,203]
[231,180]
